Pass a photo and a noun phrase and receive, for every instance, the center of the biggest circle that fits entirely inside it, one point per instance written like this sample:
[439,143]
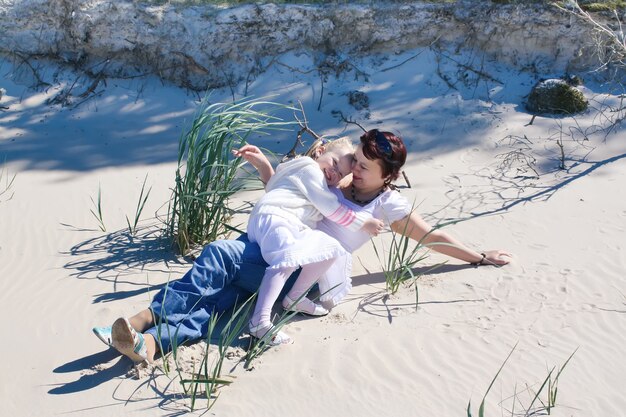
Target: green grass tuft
[98,210]
[550,393]
[400,259]
[143,197]
[205,381]
[207,174]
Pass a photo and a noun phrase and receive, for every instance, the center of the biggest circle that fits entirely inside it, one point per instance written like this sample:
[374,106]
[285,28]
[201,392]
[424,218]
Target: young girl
[282,222]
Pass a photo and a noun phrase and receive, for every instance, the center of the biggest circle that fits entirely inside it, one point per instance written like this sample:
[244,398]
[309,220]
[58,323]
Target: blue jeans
[226,271]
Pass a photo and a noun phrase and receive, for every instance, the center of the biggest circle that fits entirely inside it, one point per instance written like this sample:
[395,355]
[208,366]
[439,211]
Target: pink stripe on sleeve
[347,218]
[343,216]
[337,213]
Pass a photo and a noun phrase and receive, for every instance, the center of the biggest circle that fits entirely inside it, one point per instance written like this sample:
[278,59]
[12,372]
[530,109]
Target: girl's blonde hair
[329,145]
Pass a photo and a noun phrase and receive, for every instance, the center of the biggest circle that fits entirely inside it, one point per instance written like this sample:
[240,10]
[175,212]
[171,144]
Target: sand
[564,290]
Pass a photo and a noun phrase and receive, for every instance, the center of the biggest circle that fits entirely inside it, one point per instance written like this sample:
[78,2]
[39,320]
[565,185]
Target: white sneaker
[261,329]
[304,305]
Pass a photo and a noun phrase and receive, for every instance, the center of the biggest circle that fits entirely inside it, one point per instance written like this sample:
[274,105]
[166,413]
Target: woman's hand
[496,257]
[257,159]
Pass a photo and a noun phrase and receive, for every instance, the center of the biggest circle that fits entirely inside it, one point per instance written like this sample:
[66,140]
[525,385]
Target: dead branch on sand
[347,120]
[304,128]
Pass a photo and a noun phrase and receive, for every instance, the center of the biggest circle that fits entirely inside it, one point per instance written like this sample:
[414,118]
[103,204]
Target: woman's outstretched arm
[417,229]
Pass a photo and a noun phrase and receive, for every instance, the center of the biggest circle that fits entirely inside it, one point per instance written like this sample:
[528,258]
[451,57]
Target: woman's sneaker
[127,341]
[104,334]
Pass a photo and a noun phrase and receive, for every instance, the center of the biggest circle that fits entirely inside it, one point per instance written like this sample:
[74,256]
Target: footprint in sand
[538,246]
[500,292]
[443,326]
[485,323]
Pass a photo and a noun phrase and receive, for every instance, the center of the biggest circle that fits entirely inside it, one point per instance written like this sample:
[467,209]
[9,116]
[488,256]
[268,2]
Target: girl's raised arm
[257,159]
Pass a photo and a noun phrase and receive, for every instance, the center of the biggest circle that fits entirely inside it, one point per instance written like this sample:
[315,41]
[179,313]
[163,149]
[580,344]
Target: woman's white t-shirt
[388,207]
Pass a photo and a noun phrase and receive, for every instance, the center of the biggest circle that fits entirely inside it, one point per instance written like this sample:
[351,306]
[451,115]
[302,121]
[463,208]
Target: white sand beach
[564,290]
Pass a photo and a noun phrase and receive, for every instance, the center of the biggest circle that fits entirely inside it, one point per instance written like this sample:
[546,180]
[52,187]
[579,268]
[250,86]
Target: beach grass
[207,377]
[191,385]
[205,380]
[399,263]
[207,174]
[210,371]
[548,390]
[481,408]
[602,6]
[96,211]
[143,197]
[553,387]
[259,345]
[401,257]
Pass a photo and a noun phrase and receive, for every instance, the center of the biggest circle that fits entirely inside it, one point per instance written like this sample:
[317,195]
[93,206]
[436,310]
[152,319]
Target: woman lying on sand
[283,224]
[230,270]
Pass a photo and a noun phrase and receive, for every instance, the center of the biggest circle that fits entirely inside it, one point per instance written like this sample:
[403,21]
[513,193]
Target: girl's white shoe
[278,338]
[304,305]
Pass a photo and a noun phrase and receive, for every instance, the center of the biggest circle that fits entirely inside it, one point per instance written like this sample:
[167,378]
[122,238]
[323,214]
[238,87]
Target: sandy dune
[374,355]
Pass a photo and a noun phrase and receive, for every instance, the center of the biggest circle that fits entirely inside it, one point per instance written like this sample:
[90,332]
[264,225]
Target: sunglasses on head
[383,144]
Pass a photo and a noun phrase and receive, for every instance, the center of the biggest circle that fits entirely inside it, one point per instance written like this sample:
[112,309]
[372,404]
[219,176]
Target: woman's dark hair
[386,147]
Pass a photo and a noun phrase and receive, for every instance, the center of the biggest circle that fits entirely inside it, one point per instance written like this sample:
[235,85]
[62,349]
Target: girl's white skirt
[289,244]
